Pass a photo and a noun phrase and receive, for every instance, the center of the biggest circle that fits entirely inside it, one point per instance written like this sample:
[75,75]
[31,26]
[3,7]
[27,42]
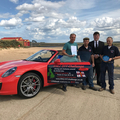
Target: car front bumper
[8,85]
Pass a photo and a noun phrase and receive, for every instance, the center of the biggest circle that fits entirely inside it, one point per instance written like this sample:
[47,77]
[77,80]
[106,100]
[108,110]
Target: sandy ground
[23,53]
[54,104]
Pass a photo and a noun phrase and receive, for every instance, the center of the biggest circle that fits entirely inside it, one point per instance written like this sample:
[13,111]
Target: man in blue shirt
[70,51]
[113,53]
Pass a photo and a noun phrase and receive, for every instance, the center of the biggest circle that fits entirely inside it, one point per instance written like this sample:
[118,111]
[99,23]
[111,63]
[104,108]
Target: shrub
[6,44]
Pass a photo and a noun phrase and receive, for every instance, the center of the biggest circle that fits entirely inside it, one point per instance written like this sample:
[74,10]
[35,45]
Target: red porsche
[26,77]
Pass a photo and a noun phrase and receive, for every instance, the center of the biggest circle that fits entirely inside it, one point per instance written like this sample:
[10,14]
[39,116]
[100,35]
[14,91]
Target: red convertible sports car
[26,77]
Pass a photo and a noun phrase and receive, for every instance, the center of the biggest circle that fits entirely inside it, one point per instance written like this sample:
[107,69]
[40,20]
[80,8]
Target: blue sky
[54,20]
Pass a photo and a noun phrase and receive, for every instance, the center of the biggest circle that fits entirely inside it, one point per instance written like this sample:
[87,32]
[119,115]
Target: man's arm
[79,58]
[64,53]
[92,46]
[92,58]
[101,56]
[96,56]
[117,57]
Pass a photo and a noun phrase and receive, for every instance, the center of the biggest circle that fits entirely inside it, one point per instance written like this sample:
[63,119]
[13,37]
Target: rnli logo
[89,50]
[112,51]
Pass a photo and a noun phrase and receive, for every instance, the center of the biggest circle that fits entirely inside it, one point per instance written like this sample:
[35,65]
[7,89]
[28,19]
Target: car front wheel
[29,85]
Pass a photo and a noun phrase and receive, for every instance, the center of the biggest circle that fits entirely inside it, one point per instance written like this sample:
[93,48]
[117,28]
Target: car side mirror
[57,61]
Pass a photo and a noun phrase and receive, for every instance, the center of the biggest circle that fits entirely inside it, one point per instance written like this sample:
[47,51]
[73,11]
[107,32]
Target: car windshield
[41,56]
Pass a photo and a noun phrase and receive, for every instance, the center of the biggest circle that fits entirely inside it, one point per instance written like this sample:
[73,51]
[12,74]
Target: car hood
[18,63]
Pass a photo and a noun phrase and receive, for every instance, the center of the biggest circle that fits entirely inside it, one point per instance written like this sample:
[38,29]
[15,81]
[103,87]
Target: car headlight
[9,72]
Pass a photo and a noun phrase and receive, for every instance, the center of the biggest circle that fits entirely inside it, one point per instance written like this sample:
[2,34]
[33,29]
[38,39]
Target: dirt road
[54,104]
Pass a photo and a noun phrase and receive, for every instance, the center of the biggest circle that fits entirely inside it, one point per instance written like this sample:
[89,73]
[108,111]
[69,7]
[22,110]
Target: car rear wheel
[29,85]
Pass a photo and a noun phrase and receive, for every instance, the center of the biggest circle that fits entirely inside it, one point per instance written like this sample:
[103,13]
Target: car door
[67,72]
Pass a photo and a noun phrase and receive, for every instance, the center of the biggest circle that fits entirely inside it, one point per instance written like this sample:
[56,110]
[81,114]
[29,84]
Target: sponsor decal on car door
[63,73]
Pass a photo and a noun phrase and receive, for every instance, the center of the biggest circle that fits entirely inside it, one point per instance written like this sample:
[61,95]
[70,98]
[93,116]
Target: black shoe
[77,86]
[93,88]
[99,84]
[64,89]
[71,84]
[84,87]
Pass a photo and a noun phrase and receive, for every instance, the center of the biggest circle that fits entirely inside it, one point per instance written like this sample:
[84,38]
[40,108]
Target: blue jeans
[89,75]
[110,68]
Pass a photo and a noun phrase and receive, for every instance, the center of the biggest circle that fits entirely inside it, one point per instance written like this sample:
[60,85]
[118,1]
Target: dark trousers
[110,68]
[97,69]
[64,86]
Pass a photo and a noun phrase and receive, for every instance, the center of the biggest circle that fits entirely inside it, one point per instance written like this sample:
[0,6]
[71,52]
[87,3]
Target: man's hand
[101,56]
[64,53]
[79,58]
[93,65]
[104,61]
[71,55]
[110,59]
[96,56]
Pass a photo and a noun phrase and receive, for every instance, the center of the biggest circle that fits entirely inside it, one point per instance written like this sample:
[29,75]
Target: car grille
[0,86]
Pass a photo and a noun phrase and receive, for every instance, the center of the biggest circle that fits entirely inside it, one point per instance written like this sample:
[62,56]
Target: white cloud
[14,1]
[112,14]
[28,7]
[19,14]
[57,19]
[72,22]
[5,15]
[36,19]
[40,4]
[9,28]
[38,35]
[43,8]
[49,4]
[87,31]
[11,23]
[74,30]
[50,23]
[55,27]
[28,28]
[113,32]
[106,23]
[80,4]
[49,14]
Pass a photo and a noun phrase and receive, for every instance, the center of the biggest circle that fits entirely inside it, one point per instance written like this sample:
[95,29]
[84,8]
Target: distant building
[24,42]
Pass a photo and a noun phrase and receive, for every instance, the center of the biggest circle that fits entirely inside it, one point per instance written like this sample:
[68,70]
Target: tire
[29,85]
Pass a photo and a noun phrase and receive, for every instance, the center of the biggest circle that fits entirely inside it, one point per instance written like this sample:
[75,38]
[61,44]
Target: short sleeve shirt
[82,48]
[67,47]
[85,53]
[112,52]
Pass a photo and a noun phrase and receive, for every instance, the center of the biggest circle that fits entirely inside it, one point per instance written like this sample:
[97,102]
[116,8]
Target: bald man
[113,53]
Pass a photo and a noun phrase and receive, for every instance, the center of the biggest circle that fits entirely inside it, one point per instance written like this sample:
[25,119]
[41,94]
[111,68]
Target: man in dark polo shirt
[112,53]
[85,54]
